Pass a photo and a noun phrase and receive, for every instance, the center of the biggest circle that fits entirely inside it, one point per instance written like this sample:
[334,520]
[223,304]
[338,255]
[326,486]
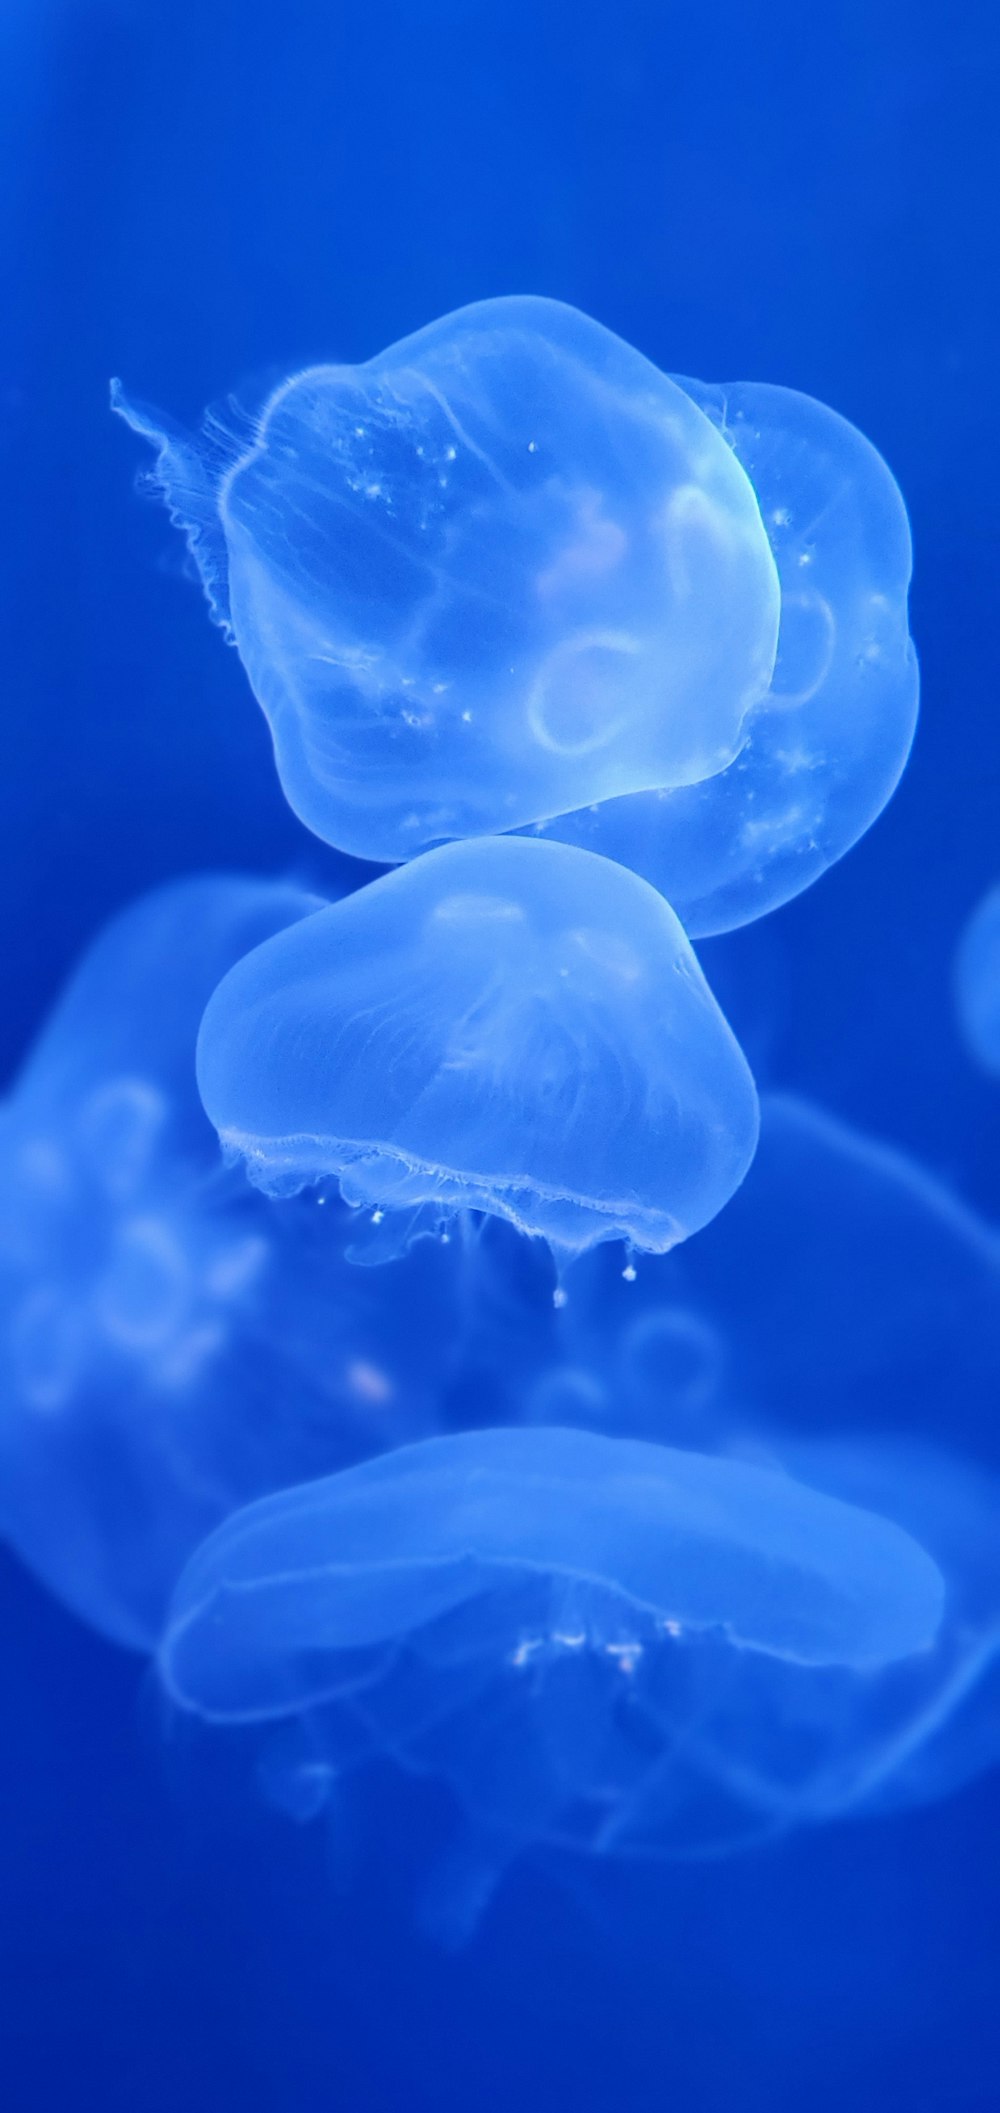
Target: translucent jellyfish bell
[978,983]
[824,749]
[562,1626]
[172,1345]
[502,570]
[268,1605]
[503,1025]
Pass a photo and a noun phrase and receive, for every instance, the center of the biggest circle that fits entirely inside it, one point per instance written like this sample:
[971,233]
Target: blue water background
[196,197]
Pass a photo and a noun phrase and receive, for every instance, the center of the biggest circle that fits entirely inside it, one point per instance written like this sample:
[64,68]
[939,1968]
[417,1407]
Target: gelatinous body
[505,569]
[824,749]
[844,1289]
[170,1345]
[563,1626]
[978,983]
[503,1025]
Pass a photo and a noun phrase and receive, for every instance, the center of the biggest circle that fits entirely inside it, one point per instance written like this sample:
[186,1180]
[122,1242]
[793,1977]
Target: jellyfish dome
[170,1344]
[978,983]
[502,570]
[595,1642]
[824,748]
[505,1026]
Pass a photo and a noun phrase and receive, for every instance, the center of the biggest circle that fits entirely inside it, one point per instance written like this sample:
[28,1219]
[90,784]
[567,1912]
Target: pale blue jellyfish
[978,983]
[170,1344]
[503,1026]
[823,750]
[596,1642]
[503,570]
[844,1288]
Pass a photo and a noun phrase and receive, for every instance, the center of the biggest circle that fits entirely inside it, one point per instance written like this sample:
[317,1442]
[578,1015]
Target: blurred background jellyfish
[566,1628]
[978,983]
[824,749]
[171,1345]
[504,1026]
[844,1290]
[503,570]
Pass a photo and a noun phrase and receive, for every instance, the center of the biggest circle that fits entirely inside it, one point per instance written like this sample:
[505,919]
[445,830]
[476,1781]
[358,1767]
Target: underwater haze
[500,1121]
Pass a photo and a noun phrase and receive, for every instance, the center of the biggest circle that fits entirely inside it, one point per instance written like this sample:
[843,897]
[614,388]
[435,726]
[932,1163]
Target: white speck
[532,447]
[450,454]
[626,1654]
[559,1296]
[369,1382]
[629,1272]
[467,718]
[377,1217]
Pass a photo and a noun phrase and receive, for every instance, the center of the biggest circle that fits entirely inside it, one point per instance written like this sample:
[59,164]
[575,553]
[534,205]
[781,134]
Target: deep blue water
[199,199]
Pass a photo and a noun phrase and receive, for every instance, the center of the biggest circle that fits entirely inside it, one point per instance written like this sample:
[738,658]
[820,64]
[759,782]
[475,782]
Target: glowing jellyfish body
[505,1026]
[824,749]
[978,983]
[505,569]
[170,1346]
[563,1626]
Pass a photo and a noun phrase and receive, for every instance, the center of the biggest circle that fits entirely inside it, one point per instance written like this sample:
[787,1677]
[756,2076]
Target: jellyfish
[501,1026]
[172,1345]
[502,570]
[843,1289]
[978,983]
[824,749]
[566,1628]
